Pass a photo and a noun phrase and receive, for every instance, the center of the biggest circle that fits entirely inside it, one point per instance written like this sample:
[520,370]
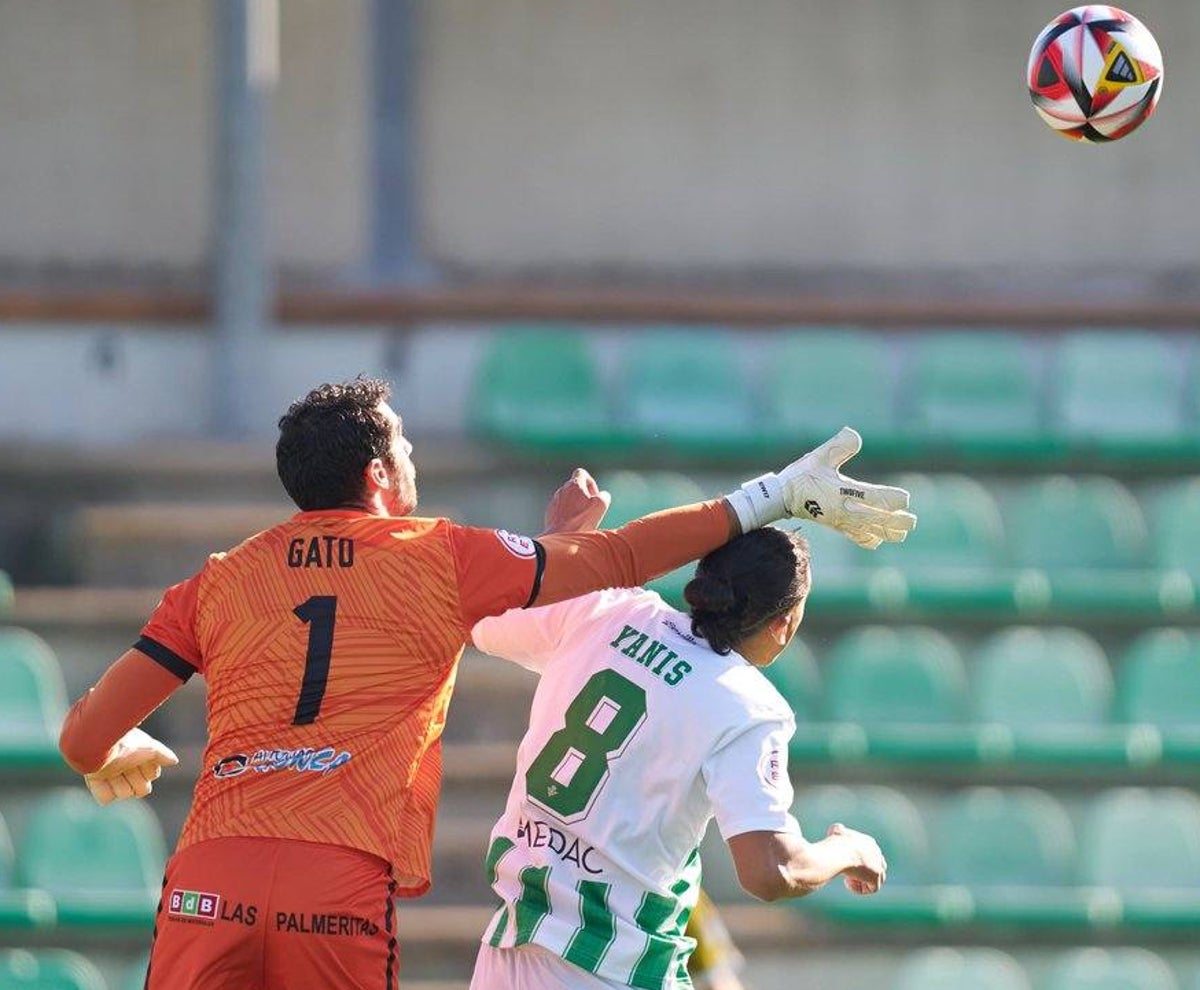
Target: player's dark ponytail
[740,587]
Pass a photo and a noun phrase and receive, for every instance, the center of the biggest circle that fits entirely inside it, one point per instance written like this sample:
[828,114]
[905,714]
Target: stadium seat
[684,389]
[1174,517]
[33,700]
[6,595]
[960,530]
[794,673]
[1115,386]
[1062,523]
[1029,677]
[541,387]
[878,675]
[635,494]
[975,389]
[102,865]
[1139,841]
[961,969]
[882,812]
[48,969]
[1111,969]
[1159,680]
[819,380]
[1003,837]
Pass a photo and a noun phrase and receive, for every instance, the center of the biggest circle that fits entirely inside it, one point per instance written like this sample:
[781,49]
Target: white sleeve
[531,636]
[748,784]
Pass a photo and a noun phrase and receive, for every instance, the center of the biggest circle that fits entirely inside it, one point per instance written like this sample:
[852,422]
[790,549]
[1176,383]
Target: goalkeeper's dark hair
[327,439]
[743,585]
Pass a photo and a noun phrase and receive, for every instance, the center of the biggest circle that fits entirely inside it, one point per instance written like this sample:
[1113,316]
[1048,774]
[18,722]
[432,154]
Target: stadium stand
[685,389]
[48,969]
[1111,969]
[103,866]
[818,380]
[1008,700]
[541,388]
[974,393]
[954,969]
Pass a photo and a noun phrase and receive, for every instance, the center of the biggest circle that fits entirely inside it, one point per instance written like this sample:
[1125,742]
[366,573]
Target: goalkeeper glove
[133,764]
[813,487]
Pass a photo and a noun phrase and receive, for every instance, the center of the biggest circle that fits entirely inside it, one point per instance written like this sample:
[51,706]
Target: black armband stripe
[540,552]
[164,657]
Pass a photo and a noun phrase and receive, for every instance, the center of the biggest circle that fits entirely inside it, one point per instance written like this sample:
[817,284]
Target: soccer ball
[1095,73]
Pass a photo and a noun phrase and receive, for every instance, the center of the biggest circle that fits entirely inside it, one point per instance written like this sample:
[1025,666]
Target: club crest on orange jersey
[518,546]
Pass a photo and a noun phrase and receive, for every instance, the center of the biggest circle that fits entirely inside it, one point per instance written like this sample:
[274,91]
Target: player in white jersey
[646,724]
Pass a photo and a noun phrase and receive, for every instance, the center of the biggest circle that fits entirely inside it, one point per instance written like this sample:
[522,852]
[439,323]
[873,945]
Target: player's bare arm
[777,865]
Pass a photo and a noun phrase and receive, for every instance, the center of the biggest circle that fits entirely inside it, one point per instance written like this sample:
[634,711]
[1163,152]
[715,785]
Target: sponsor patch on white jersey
[771,766]
[518,546]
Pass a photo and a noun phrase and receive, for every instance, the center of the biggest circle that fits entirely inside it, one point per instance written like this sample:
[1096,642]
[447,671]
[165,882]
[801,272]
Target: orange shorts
[274,914]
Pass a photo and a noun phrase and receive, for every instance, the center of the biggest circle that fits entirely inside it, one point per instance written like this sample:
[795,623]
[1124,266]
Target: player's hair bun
[740,586]
[710,593]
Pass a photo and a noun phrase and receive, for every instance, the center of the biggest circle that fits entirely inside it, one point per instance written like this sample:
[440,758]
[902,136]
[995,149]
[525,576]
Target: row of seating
[981,392]
[1053,523]
[78,865]
[1126,968]
[61,969]
[1040,695]
[1014,857]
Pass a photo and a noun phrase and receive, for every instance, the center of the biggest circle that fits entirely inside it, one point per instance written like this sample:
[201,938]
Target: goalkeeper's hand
[133,764]
[813,487]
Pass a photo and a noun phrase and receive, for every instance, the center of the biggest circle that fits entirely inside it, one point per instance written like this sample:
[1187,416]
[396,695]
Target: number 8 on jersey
[568,773]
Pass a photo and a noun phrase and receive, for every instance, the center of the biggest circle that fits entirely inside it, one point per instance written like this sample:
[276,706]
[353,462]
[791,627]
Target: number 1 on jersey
[318,613]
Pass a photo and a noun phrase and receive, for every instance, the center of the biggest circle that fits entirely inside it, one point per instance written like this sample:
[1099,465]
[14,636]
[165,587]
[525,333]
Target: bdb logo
[194,904]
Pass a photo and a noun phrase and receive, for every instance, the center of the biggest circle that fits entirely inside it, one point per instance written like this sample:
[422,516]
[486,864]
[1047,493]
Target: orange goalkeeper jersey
[329,645]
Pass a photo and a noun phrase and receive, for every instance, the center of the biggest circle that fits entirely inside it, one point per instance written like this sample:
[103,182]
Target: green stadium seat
[975,389]
[1031,677]
[636,494]
[1004,837]
[541,387]
[48,969]
[961,969]
[1140,841]
[103,866]
[33,700]
[1110,969]
[877,675]
[819,380]
[1174,517]
[960,530]
[1118,386]
[1061,523]
[882,812]
[1159,680]
[684,389]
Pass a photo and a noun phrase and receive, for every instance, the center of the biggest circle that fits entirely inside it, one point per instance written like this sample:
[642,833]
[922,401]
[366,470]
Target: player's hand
[870,872]
[815,488]
[578,505]
[134,763]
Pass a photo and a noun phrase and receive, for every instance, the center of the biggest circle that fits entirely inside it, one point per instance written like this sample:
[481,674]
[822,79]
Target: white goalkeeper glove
[814,488]
[133,764]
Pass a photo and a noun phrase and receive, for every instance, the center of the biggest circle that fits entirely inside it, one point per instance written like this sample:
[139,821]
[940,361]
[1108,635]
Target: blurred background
[679,242]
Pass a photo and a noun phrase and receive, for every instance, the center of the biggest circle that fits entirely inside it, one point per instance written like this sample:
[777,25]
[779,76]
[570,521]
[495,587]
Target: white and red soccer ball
[1095,73]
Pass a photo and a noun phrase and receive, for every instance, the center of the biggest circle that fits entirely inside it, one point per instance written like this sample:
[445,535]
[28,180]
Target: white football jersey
[639,734]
